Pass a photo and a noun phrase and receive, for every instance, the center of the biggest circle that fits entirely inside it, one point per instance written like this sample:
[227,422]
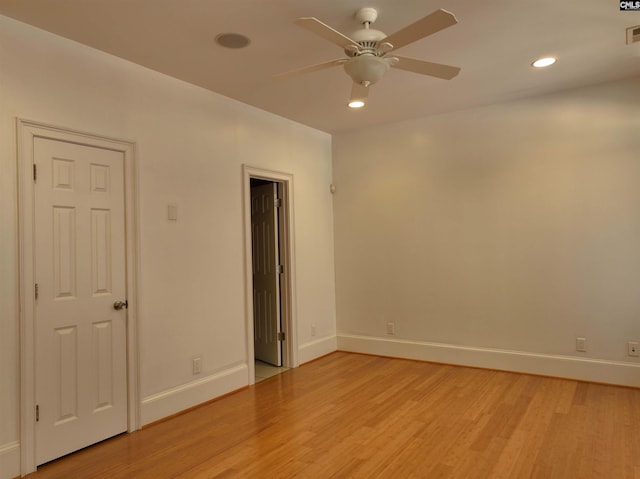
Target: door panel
[266,281]
[80,272]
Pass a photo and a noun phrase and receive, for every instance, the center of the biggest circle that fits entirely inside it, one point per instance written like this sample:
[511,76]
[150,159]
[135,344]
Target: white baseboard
[315,349]
[10,460]
[594,370]
[174,400]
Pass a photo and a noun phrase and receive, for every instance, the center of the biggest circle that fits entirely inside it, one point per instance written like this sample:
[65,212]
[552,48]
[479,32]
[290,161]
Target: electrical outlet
[581,344]
[314,329]
[391,328]
[633,348]
[197,365]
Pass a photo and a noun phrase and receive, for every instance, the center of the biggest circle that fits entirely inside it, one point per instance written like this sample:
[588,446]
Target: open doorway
[269,273]
[266,271]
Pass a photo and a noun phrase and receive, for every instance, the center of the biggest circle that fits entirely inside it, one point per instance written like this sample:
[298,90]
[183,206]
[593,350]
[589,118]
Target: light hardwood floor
[356,416]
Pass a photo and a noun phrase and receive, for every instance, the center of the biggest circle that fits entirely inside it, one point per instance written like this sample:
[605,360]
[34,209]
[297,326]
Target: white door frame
[287,258]
[27,132]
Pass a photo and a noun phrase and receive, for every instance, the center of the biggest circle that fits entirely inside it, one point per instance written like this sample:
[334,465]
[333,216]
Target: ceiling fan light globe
[366,68]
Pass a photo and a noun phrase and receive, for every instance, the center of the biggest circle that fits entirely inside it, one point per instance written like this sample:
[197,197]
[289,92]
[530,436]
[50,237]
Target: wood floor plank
[357,416]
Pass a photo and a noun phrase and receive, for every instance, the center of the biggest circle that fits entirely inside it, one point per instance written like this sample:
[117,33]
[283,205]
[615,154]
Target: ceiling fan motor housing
[368,39]
[367,65]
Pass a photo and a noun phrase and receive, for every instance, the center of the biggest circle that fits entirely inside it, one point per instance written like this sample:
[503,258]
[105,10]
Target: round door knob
[118,305]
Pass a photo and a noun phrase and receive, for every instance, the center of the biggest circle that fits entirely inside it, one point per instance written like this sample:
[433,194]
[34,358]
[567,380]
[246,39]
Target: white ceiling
[494,43]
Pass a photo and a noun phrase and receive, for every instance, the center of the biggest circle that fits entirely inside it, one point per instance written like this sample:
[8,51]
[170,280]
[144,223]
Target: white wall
[496,236]
[190,147]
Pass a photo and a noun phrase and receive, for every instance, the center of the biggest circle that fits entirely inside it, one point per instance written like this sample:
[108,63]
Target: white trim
[317,348]
[27,131]
[583,369]
[179,398]
[10,460]
[289,326]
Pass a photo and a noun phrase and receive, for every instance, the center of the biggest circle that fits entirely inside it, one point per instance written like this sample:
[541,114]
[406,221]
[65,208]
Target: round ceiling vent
[232,40]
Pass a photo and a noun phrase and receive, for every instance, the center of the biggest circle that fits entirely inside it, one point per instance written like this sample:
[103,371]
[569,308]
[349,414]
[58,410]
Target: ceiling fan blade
[358,92]
[309,69]
[438,70]
[432,23]
[325,31]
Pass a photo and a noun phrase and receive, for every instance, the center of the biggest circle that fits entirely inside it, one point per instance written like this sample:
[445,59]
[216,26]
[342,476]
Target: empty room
[315,239]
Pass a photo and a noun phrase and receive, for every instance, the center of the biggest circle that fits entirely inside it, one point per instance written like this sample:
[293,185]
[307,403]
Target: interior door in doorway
[266,278]
[80,338]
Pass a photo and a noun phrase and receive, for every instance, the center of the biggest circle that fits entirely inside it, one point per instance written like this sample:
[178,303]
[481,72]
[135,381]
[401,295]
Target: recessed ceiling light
[544,62]
[232,40]
[356,104]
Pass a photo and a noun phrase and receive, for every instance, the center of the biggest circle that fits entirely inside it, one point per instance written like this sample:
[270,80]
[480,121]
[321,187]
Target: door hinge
[35,292]
[35,172]
[278,202]
[37,412]
[279,269]
[281,336]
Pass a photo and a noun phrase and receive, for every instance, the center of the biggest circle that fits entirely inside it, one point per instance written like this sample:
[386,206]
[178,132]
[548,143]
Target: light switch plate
[172,213]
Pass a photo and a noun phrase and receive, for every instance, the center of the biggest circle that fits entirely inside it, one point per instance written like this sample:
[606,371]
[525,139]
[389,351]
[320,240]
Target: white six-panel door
[80,339]
[266,281]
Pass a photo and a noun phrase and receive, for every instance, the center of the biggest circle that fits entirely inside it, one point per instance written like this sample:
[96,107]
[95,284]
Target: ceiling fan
[367,50]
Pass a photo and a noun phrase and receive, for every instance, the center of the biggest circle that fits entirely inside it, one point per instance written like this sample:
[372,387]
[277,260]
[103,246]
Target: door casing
[27,131]
[287,259]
